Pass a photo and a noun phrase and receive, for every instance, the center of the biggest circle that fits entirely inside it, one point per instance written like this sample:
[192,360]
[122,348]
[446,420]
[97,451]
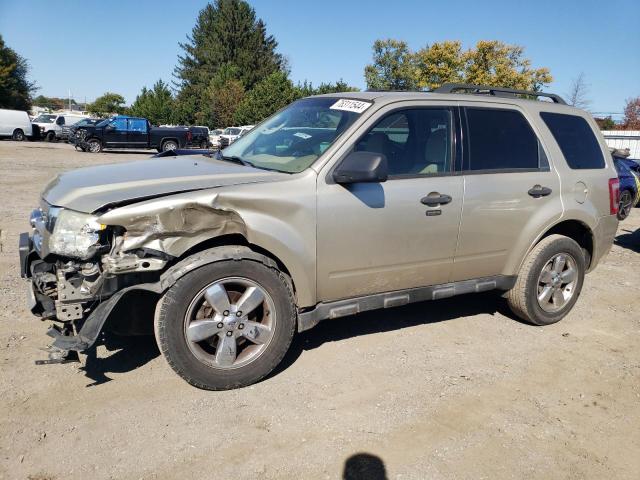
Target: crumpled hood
[89,189]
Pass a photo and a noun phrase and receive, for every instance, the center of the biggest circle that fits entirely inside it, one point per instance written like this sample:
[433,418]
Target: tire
[94,146]
[18,135]
[197,361]
[204,145]
[626,204]
[50,137]
[169,145]
[523,298]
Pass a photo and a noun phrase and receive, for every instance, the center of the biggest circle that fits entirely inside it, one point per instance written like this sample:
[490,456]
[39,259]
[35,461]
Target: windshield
[292,139]
[104,122]
[45,119]
[86,121]
[231,131]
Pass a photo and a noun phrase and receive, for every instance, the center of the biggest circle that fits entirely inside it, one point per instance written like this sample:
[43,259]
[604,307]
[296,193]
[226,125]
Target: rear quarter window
[576,140]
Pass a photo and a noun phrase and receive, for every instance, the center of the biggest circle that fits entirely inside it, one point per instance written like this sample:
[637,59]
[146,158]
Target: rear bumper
[603,236]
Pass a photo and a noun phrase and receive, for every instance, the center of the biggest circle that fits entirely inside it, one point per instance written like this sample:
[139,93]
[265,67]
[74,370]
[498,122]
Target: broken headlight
[74,234]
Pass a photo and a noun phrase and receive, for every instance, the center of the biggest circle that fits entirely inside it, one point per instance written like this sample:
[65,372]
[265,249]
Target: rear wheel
[18,135]
[226,324]
[94,146]
[169,145]
[549,282]
[626,204]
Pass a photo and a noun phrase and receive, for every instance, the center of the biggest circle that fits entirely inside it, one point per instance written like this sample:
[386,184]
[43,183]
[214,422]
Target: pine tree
[226,33]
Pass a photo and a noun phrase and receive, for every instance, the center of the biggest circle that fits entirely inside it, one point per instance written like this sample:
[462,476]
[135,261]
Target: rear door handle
[539,191]
[434,199]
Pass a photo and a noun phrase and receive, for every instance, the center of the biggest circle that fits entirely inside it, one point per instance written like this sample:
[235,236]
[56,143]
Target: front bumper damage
[55,291]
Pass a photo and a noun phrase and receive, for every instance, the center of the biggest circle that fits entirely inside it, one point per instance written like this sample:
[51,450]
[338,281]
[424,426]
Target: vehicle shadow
[395,319]
[629,240]
[364,466]
[130,353]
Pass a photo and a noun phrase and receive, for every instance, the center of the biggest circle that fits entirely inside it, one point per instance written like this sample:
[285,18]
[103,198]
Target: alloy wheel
[557,282]
[230,323]
[626,204]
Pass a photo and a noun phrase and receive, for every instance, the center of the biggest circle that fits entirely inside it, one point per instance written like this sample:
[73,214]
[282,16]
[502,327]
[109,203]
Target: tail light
[614,195]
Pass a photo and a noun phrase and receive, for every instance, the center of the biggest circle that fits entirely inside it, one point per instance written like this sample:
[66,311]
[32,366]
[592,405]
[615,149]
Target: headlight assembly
[74,234]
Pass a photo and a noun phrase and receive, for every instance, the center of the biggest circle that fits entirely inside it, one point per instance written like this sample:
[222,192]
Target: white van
[50,124]
[15,124]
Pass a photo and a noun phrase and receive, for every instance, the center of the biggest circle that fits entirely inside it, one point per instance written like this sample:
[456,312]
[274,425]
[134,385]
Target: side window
[119,124]
[415,142]
[576,140]
[500,140]
[138,125]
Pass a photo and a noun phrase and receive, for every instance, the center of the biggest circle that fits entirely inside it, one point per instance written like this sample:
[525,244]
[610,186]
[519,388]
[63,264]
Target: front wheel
[626,204]
[227,324]
[94,146]
[50,137]
[549,282]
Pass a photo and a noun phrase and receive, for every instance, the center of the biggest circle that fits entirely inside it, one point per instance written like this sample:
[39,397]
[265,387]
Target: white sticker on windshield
[348,105]
[304,136]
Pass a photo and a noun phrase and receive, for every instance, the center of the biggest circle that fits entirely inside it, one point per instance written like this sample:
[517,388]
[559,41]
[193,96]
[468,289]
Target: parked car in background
[629,175]
[15,124]
[372,218]
[51,124]
[199,136]
[214,137]
[231,134]
[69,131]
[133,132]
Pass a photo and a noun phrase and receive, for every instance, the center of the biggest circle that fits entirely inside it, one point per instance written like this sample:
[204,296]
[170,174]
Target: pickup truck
[132,132]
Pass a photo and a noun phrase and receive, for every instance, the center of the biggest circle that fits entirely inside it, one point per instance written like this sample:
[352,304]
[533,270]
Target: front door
[115,134]
[381,237]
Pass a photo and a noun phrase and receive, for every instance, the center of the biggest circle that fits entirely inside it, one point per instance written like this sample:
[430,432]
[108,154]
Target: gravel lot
[450,389]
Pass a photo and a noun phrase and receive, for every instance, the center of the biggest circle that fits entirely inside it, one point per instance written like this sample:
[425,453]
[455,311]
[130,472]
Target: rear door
[511,193]
[137,135]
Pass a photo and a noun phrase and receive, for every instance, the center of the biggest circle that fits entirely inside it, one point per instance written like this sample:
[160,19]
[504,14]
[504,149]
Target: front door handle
[434,199]
[539,191]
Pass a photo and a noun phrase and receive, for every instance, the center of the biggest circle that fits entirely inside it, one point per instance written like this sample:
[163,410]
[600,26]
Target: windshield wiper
[234,159]
[246,163]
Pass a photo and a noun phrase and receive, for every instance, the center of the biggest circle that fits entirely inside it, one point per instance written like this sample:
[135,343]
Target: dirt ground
[450,389]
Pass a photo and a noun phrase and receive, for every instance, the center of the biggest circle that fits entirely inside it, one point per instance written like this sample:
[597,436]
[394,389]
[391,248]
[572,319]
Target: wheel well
[577,231]
[169,139]
[236,239]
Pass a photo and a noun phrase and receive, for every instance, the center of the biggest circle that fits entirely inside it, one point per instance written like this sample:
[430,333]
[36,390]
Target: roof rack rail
[495,91]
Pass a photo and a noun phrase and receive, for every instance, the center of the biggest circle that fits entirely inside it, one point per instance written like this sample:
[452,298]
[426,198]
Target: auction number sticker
[348,105]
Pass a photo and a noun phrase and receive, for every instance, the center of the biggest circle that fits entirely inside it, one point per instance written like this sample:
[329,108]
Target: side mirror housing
[362,167]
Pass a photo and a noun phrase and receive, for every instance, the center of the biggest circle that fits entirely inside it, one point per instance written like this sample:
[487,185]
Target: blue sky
[90,47]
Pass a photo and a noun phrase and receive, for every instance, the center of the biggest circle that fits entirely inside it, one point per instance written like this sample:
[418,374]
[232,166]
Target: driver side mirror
[362,167]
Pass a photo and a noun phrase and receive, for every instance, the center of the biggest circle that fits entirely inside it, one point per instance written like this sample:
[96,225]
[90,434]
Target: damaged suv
[335,205]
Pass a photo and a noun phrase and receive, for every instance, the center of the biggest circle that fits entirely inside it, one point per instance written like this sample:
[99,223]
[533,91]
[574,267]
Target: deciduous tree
[492,63]
[107,104]
[578,95]
[393,66]
[15,87]
[632,114]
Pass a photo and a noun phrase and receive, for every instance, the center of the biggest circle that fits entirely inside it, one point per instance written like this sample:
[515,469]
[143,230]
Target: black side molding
[351,306]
